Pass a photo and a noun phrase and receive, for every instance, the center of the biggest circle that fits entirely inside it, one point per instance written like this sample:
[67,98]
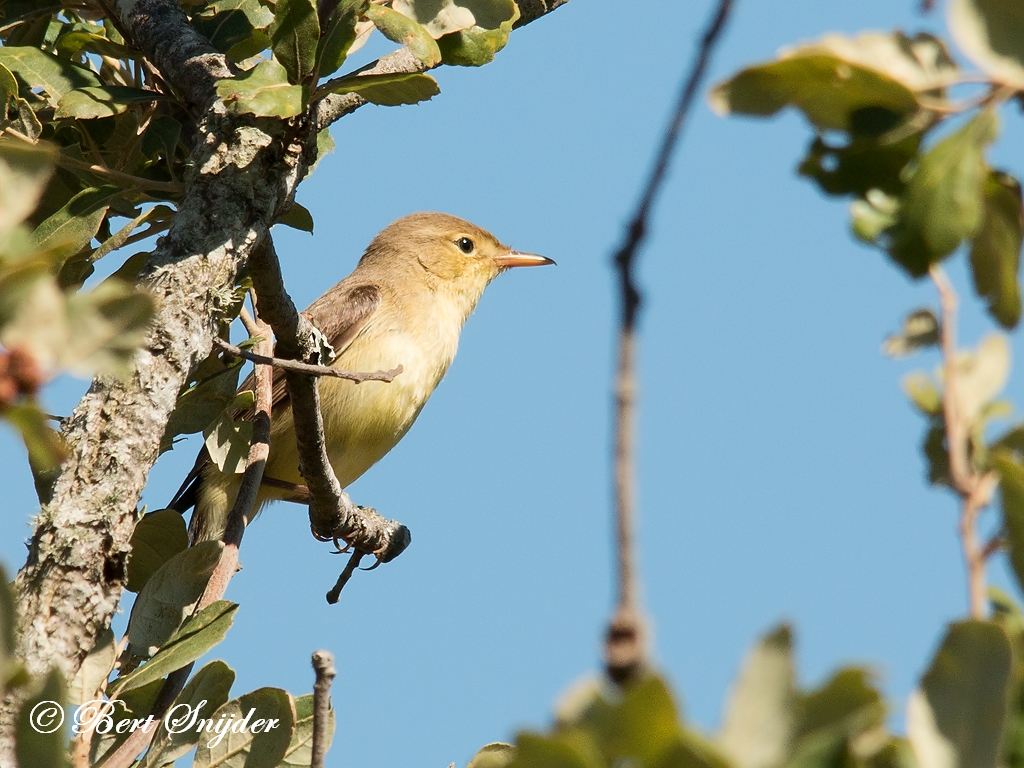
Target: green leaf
[168,596]
[263,91]
[25,170]
[39,741]
[389,90]
[46,449]
[299,753]
[438,17]
[265,720]
[991,33]
[107,325]
[846,705]
[224,29]
[995,253]
[104,101]
[956,717]
[203,402]
[293,37]
[132,705]
[8,91]
[873,216]
[758,725]
[297,217]
[207,691]
[158,537]
[920,330]
[228,443]
[494,755]
[942,204]
[161,137]
[832,80]
[95,669]
[864,163]
[336,41]
[41,69]
[197,636]
[1011,494]
[73,227]
[935,453]
[981,376]
[476,46]
[922,392]
[75,43]
[536,751]
[404,31]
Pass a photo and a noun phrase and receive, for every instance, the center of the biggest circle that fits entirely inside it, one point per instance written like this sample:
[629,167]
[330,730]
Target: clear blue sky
[780,473]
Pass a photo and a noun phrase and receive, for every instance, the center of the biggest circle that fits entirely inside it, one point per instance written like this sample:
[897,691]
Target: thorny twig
[625,648]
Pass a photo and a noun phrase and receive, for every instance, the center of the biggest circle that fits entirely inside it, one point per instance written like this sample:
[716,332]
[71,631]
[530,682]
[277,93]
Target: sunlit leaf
[920,330]
[41,69]
[24,171]
[300,750]
[495,755]
[758,724]
[73,227]
[263,91]
[991,33]
[404,31]
[956,718]
[95,669]
[476,45]
[228,443]
[390,90]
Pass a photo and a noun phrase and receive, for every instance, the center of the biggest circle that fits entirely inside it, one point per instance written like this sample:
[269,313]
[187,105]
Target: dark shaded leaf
[995,253]
[103,101]
[158,537]
[24,171]
[297,217]
[169,595]
[337,39]
[39,741]
[206,692]
[293,37]
[225,29]
[863,164]
[1011,493]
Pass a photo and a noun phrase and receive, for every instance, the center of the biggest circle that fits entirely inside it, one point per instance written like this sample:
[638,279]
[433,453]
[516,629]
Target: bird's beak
[517,259]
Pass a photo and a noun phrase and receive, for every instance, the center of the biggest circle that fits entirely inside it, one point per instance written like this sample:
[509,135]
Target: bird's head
[446,254]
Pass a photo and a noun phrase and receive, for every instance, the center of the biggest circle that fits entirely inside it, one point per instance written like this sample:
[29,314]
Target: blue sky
[780,475]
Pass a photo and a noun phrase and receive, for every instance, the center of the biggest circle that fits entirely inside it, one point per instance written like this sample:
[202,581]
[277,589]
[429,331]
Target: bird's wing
[341,315]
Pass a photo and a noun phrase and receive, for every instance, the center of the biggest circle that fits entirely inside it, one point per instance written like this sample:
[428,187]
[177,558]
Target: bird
[404,304]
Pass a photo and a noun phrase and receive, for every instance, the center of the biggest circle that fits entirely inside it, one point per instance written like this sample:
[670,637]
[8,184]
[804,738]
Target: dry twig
[625,647]
[307,369]
[323,666]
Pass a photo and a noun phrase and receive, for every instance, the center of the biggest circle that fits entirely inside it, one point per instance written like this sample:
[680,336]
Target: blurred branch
[625,648]
[307,369]
[239,517]
[323,666]
[332,515]
[975,490]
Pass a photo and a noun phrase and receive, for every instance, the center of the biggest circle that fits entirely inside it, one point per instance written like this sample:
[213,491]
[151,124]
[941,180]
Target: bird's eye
[465,245]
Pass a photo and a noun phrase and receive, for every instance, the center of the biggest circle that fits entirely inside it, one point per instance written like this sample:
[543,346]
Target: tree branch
[625,645]
[323,667]
[332,515]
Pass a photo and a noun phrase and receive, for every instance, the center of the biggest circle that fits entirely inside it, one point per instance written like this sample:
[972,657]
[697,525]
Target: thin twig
[625,647]
[308,369]
[323,667]
[975,491]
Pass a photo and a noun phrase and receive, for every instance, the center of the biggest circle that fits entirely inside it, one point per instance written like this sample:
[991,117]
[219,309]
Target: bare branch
[332,515]
[307,369]
[625,647]
[323,666]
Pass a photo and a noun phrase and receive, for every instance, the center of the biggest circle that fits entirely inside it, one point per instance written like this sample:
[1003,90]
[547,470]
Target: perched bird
[404,304]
